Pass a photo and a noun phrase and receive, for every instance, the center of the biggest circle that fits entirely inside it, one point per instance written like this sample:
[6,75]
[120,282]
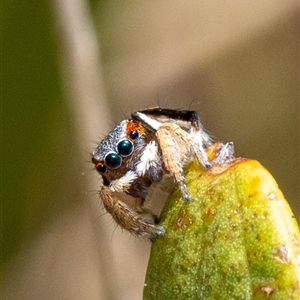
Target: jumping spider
[141,151]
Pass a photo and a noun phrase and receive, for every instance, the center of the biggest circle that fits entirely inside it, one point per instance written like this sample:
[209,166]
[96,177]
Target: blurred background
[73,69]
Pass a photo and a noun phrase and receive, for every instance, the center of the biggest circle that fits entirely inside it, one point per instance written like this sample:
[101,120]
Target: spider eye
[125,147]
[134,134]
[113,160]
[99,165]
[101,168]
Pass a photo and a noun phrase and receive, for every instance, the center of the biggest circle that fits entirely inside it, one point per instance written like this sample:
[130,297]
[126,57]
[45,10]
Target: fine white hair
[123,184]
[149,158]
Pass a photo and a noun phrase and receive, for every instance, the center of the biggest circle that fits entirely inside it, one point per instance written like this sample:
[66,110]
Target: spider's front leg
[187,120]
[178,146]
[131,215]
[127,218]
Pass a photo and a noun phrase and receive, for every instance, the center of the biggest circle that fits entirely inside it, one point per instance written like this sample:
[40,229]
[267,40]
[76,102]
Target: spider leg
[178,147]
[127,218]
[175,156]
[197,145]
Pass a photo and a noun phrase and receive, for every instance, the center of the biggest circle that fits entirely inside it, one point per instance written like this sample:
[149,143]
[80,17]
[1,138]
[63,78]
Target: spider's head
[117,152]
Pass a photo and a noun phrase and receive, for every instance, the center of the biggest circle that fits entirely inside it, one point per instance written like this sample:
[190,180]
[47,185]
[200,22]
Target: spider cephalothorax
[139,152]
[128,159]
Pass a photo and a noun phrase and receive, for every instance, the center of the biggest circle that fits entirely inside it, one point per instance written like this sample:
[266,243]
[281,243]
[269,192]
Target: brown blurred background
[73,69]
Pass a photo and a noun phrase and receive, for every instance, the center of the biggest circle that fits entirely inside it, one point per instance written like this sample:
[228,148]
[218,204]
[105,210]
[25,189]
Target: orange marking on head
[96,162]
[134,125]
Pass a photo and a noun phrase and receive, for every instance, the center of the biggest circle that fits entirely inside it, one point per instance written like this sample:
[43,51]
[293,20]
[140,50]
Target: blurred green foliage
[32,112]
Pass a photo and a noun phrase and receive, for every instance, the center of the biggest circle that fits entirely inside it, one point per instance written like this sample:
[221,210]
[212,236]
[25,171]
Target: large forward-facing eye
[125,147]
[113,160]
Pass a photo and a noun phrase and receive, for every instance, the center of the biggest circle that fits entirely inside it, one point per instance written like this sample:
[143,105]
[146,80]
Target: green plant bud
[236,239]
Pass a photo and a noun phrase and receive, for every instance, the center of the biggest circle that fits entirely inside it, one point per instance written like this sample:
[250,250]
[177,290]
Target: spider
[140,151]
